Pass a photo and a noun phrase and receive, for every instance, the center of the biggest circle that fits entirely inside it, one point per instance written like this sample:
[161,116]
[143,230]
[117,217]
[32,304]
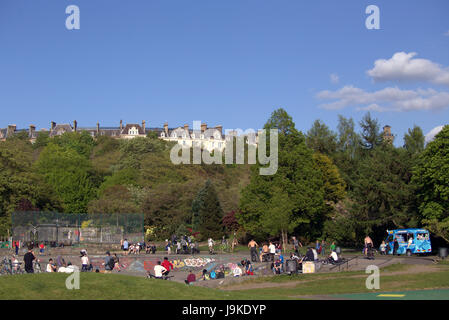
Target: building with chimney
[209,138]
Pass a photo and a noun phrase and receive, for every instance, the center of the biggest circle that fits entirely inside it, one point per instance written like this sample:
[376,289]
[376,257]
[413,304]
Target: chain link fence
[75,228]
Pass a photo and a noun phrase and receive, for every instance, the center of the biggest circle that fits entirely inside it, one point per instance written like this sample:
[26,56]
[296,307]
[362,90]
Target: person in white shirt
[210,242]
[334,256]
[84,263]
[159,271]
[51,266]
[315,254]
[15,263]
[237,272]
[272,249]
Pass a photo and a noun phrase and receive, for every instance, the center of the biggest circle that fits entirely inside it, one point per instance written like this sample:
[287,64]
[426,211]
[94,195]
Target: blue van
[411,241]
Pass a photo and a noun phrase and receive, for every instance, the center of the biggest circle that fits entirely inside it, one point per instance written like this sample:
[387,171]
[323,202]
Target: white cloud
[432,133]
[334,78]
[403,67]
[387,99]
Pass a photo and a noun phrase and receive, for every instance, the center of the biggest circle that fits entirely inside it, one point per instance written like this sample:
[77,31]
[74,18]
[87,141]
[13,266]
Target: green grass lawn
[95,286]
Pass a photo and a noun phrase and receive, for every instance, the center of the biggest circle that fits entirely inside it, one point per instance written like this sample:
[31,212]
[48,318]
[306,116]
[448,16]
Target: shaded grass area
[94,286]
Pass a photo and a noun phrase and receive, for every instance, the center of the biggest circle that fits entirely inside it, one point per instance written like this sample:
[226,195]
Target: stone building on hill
[210,138]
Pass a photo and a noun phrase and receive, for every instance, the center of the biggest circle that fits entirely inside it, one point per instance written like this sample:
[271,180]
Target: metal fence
[73,228]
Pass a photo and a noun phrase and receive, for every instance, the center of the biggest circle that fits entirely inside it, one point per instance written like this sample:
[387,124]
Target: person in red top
[190,278]
[167,265]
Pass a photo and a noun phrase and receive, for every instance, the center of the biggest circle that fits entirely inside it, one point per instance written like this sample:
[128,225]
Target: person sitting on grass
[191,277]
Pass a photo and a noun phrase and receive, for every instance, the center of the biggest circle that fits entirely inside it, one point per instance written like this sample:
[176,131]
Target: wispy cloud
[334,78]
[387,99]
[404,67]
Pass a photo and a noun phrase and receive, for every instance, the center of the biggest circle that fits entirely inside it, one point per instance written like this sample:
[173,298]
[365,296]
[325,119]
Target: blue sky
[228,62]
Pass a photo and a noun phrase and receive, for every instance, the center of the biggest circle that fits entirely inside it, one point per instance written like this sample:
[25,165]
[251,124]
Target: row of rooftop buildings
[210,138]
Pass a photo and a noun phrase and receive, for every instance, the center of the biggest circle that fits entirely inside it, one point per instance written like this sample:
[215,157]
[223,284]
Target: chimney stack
[11,129]
[166,129]
[203,127]
[143,125]
[98,128]
[74,125]
[220,129]
[121,126]
[186,127]
[52,125]
[32,130]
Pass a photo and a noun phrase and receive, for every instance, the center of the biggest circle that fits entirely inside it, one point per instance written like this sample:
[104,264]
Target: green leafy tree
[70,175]
[414,140]
[383,197]
[291,198]
[321,139]
[431,175]
[115,199]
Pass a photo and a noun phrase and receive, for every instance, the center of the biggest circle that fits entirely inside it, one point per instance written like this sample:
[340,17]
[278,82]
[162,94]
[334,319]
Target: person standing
[272,249]
[125,246]
[252,245]
[84,263]
[28,258]
[333,246]
[323,248]
[211,243]
[296,245]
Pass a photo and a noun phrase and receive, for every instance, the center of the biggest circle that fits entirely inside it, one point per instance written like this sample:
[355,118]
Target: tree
[293,197]
[431,175]
[209,211]
[334,186]
[115,199]
[20,187]
[70,175]
[230,222]
[414,140]
[348,150]
[321,139]
[371,135]
[383,195]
